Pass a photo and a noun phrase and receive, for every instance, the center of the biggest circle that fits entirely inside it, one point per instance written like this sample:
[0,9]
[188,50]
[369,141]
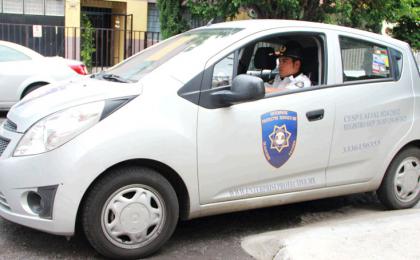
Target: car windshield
[139,65]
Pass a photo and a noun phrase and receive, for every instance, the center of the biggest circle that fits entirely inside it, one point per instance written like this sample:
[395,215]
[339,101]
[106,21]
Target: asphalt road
[216,237]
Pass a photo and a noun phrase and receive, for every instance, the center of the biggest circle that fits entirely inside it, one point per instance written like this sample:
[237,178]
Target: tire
[32,87]
[400,188]
[130,213]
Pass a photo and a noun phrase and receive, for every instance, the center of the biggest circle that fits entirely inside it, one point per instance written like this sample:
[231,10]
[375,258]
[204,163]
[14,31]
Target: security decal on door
[279,133]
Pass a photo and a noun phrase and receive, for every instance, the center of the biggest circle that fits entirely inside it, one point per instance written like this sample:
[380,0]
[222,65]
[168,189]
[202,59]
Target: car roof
[256,25]
[20,48]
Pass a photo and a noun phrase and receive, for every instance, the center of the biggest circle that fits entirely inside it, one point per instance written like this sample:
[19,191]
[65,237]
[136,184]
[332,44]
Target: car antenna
[210,22]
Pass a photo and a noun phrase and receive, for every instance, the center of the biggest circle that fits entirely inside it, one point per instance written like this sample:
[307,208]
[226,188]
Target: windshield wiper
[116,78]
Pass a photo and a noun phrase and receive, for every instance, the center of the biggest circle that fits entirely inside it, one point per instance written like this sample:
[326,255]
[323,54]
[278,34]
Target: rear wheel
[130,213]
[32,87]
[400,188]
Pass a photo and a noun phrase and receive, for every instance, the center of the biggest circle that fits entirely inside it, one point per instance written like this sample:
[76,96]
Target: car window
[362,60]
[265,64]
[223,72]
[9,54]
[260,68]
[259,45]
[260,59]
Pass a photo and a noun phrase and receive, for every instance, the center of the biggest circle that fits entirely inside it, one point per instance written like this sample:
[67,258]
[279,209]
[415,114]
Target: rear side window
[9,54]
[364,60]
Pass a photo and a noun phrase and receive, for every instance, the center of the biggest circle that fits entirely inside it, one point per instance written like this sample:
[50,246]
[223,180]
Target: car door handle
[315,115]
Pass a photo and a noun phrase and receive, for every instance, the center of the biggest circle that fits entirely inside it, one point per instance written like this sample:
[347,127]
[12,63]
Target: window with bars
[13,6]
[54,7]
[33,7]
[153,24]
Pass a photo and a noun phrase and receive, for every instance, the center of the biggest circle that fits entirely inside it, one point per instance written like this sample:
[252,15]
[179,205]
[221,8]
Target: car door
[373,111]
[274,145]
[14,69]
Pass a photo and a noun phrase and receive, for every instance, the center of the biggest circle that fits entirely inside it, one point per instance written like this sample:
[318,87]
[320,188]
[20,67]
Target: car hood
[61,95]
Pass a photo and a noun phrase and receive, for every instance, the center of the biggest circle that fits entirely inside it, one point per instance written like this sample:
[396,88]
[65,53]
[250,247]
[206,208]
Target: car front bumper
[24,180]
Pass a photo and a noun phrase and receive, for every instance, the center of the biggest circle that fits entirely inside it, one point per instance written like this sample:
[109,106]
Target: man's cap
[291,49]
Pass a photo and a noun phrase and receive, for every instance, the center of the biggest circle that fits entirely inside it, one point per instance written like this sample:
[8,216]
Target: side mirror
[244,88]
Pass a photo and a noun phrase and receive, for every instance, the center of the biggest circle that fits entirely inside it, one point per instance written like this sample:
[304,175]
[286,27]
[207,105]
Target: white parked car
[23,70]
[180,131]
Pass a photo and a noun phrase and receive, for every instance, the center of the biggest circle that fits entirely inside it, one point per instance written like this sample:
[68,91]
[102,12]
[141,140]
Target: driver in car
[290,75]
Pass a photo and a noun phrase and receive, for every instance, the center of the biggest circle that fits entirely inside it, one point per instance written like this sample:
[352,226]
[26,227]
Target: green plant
[408,30]
[362,14]
[87,44]
[408,24]
[170,16]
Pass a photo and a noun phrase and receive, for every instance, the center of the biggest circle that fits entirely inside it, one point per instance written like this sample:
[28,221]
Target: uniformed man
[290,75]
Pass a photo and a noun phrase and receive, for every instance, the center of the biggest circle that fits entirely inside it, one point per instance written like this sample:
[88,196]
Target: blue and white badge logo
[279,132]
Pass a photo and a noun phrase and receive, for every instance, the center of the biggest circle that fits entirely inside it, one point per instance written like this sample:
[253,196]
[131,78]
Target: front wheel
[400,188]
[130,213]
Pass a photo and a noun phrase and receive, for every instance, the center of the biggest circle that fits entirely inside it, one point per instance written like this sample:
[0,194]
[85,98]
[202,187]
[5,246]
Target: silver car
[23,70]
[184,129]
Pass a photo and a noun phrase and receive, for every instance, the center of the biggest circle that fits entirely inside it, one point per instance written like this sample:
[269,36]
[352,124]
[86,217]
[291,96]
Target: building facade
[55,27]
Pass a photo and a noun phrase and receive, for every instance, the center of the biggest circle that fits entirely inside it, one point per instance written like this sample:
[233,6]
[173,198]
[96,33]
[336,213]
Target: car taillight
[79,69]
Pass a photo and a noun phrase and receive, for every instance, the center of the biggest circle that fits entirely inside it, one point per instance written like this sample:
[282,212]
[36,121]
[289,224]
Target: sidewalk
[368,235]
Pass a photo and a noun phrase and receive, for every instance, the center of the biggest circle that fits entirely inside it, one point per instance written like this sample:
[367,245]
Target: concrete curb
[378,235]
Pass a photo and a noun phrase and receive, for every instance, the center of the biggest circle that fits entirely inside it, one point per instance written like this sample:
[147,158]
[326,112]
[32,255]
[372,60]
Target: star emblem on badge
[279,138]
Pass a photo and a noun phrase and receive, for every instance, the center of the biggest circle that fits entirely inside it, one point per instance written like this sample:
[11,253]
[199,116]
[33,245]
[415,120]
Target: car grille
[3,144]
[9,125]
[3,202]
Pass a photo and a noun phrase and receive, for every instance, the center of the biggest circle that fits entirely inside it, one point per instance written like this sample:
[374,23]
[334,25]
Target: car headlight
[59,128]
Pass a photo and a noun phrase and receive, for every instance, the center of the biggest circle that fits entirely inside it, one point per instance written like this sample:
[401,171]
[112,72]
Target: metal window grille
[153,23]
[13,6]
[54,7]
[34,7]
